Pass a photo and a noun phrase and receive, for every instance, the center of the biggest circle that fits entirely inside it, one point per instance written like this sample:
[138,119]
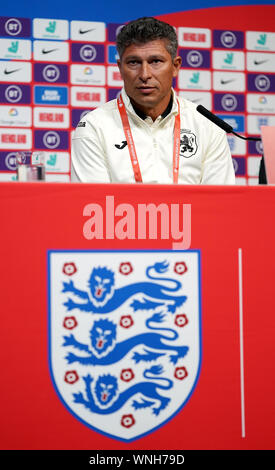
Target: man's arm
[88,160]
[218,165]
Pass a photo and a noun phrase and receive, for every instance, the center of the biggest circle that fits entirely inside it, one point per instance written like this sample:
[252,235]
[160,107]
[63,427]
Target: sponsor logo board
[195,58]
[228,39]
[50,73]
[15,49]
[51,140]
[15,71]
[7,161]
[229,81]
[51,51]
[57,162]
[228,60]
[261,103]
[234,120]
[50,29]
[194,80]
[194,37]
[198,97]
[92,31]
[88,53]
[15,94]
[261,82]
[57,118]
[89,97]
[260,40]
[15,138]
[15,116]
[229,102]
[50,95]
[88,74]
[262,62]
[15,27]
[114,77]
[254,123]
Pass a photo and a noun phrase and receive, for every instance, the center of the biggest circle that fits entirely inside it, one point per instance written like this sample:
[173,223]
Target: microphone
[222,124]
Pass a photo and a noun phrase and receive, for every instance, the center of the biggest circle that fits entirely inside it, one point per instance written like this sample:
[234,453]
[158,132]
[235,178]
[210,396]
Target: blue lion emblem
[104,397]
[104,298]
[105,351]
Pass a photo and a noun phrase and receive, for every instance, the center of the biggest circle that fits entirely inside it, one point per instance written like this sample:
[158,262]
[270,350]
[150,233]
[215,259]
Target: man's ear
[118,63]
[177,65]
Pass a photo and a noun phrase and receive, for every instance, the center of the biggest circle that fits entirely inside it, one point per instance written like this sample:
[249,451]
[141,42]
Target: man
[148,134]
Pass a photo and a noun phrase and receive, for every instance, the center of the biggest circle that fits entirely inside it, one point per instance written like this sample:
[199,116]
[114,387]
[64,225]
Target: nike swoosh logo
[47,52]
[224,82]
[86,31]
[7,72]
[259,62]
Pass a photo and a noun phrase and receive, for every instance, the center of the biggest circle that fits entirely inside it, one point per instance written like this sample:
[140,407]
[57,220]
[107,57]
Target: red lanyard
[132,148]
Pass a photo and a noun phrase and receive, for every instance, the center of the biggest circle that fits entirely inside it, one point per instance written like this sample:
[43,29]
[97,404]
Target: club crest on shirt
[188,143]
[125,336]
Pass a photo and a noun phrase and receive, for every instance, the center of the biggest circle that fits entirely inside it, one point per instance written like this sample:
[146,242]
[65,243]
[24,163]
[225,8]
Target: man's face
[147,71]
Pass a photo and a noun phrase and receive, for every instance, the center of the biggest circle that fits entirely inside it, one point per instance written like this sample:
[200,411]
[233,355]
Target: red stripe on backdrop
[255,17]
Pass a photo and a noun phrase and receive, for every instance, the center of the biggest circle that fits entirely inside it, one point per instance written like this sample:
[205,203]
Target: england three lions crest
[125,336]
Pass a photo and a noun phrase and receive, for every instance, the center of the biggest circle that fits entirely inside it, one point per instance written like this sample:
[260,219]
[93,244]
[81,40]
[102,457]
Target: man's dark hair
[144,30]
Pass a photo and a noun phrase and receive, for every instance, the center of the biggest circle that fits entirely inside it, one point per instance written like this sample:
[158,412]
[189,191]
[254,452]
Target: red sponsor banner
[232,404]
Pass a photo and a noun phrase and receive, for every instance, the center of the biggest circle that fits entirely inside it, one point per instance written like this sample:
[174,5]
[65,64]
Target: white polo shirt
[100,152]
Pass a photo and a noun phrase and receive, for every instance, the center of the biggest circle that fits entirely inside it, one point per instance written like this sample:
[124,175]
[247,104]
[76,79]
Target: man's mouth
[146,89]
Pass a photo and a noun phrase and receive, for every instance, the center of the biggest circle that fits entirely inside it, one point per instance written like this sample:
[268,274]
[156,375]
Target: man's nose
[145,71]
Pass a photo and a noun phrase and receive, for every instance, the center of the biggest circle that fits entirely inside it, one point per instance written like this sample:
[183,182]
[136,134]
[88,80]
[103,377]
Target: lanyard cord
[132,148]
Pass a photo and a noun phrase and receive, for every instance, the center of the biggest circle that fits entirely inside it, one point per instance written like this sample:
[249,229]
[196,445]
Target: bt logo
[51,73]
[229,102]
[262,83]
[13,94]
[10,161]
[13,27]
[87,53]
[194,58]
[228,39]
[51,139]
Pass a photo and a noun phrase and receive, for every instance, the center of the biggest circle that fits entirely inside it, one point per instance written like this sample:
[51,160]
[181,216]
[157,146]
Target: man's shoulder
[95,119]
[101,111]
[189,108]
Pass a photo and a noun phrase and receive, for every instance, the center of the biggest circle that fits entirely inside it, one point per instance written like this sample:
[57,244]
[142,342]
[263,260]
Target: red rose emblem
[127,375]
[180,373]
[69,323]
[181,320]
[127,421]
[69,269]
[125,268]
[71,377]
[180,267]
[126,321]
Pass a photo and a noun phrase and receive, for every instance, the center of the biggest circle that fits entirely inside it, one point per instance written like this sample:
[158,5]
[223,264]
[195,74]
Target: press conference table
[232,229]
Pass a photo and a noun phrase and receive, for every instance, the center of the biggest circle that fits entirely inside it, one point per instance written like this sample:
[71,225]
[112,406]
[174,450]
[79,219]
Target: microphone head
[215,119]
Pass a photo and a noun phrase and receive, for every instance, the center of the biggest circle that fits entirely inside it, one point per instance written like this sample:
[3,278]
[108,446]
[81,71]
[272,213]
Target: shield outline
[71,411]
